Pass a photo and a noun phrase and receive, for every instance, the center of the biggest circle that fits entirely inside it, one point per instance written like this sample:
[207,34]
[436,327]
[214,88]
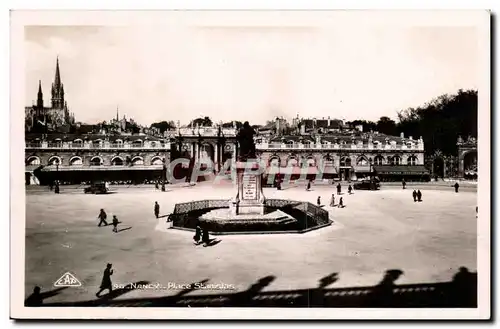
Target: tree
[367,125]
[163,126]
[230,124]
[203,122]
[386,126]
[441,121]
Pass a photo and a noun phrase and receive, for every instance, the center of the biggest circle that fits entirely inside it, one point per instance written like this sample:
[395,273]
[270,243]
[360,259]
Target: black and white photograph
[250,164]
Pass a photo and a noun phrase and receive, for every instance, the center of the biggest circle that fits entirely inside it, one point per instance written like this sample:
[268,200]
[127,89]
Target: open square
[377,231]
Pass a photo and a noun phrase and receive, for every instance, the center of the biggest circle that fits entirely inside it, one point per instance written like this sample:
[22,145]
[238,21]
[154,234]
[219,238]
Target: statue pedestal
[249,198]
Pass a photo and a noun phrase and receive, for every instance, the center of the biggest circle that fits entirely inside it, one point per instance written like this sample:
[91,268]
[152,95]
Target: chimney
[411,138]
[328,121]
[402,135]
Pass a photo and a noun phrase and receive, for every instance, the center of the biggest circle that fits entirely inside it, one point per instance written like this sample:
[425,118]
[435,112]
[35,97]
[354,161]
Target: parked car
[368,184]
[97,188]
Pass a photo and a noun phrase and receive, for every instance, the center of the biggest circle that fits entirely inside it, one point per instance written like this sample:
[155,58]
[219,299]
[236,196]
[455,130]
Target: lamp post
[163,174]
[56,188]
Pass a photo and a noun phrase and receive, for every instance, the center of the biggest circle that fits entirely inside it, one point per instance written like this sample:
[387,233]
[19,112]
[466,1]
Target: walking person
[106,280]
[318,202]
[102,218]
[419,196]
[456,187]
[349,189]
[197,235]
[308,185]
[157,185]
[56,188]
[332,201]
[414,196]
[205,237]
[339,188]
[115,224]
[157,209]
[404,184]
[341,203]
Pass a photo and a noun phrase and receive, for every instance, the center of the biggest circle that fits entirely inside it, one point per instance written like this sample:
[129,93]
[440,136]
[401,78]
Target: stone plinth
[249,197]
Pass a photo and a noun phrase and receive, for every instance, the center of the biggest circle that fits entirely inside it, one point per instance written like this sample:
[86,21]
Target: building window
[54,161]
[274,162]
[311,162]
[137,161]
[32,161]
[117,161]
[292,162]
[156,161]
[345,162]
[362,161]
[412,161]
[95,161]
[395,160]
[378,160]
[76,161]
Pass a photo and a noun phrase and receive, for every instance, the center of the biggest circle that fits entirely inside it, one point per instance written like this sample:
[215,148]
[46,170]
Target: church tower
[58,90]
[39,99]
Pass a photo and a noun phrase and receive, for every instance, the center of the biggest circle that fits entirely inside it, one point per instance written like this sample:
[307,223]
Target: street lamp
[164,174]
[56,189]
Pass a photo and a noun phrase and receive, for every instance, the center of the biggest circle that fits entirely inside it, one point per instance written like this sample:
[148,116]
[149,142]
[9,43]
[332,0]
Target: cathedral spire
[39,101]
[117,117]
[57,80]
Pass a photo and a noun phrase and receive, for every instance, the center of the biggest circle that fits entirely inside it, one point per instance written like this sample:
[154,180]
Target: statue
[246,142]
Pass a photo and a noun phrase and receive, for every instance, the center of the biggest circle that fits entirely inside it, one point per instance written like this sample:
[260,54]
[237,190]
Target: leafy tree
[386,126]
[163,125]
[203,122]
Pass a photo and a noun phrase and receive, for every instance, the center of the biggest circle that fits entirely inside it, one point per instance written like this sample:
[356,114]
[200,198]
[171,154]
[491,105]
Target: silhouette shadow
[212,242]
[461,292]
[121,291]
[163,216]
[124,229]
[36,298]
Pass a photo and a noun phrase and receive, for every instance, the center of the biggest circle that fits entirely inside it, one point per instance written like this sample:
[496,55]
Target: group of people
[201,236]
[102,220]
[54,186]
[417,196]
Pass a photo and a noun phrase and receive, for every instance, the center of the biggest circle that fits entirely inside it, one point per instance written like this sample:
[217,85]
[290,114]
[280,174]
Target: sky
[154,72]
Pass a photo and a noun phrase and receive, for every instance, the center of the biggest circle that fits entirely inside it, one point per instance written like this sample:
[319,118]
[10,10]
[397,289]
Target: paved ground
[377,231]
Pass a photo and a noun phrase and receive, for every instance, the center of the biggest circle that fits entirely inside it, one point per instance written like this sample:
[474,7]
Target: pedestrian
[205,237]
[332,201]
[341,203]
[404,184]
[56,188]
[115,224]
[419,196]
[156,185]
[51,185]
[157,209]
[339,188]
[102,218]
[476,211]
[308,185]
[319,201]
[414,196]
[106,280]
[456,187]
[349,189]
[35,299]
[197,235]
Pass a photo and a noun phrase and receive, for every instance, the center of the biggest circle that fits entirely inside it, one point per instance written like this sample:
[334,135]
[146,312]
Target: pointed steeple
[57,80]
[117,117]
[39,100]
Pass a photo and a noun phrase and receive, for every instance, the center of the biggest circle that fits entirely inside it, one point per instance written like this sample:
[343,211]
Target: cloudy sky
[180,72]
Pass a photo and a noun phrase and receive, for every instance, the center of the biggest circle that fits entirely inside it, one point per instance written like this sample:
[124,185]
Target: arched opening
[362,161]
[396,160]
[119,143]
[207,153]
[438,167]
[378,160]
[274,162]
[292,162]
[137,161]
[77,143]
[58,142]
[412,160]
[96,161]
[311,162]
[470,165]
[117,161]
[76,161]
[345,162]
[289,143]
[33,161]
[54,160]
[156,161]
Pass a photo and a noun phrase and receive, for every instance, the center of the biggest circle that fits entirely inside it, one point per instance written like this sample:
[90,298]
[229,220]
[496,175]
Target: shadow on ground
[461,291]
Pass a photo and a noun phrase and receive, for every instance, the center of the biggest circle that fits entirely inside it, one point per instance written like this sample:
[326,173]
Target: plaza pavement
[375,232]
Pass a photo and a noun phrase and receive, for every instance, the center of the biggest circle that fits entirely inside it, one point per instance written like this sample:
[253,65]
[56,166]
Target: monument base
[249,197]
